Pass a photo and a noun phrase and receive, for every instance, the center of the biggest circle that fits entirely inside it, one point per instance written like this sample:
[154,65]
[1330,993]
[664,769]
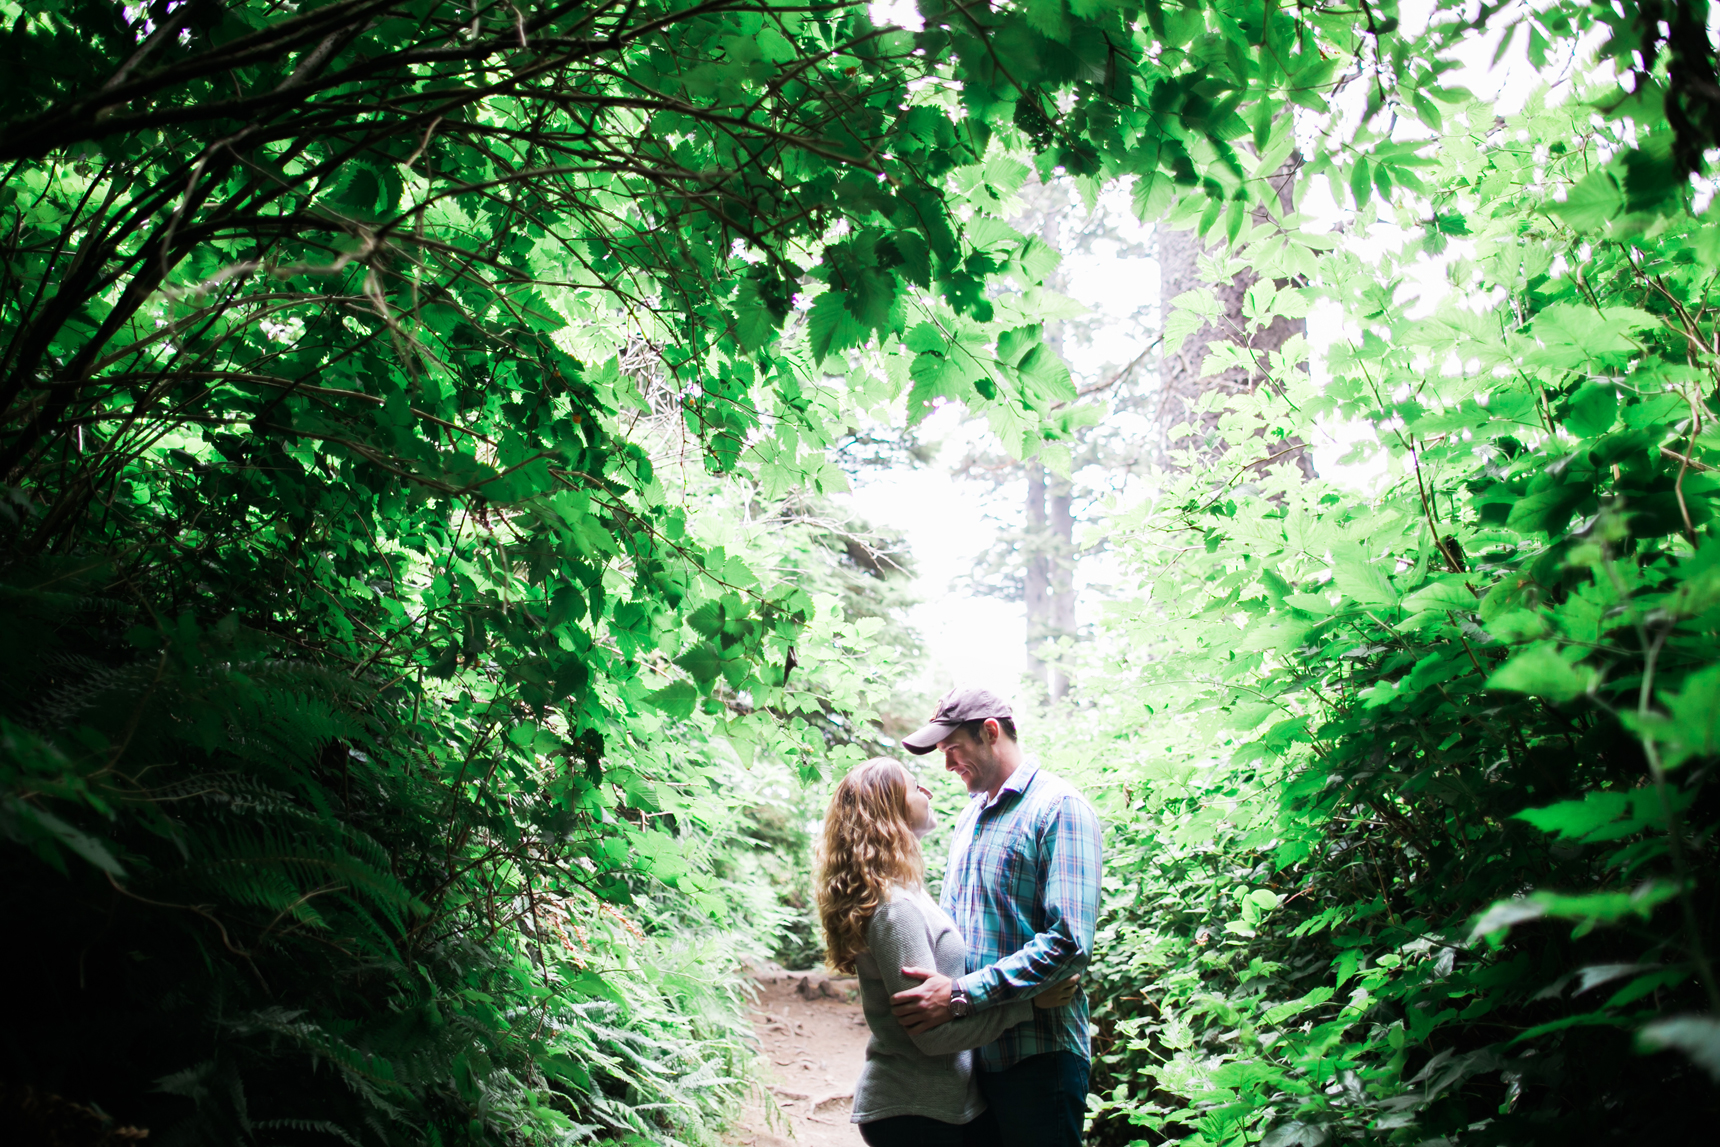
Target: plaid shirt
[1023,888]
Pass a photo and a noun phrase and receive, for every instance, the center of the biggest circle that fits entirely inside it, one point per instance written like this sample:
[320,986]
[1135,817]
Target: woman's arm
[899,937]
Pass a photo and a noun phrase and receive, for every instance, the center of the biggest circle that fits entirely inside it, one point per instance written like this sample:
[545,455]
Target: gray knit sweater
[930,1074]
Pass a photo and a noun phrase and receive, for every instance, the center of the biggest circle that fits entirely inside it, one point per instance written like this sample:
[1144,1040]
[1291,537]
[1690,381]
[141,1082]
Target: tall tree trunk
[1061,534]
[1037,582]
[1049,583]
[1181,383]
[1050,577]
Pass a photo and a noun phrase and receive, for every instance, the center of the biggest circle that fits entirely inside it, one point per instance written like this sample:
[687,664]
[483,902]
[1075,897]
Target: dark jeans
[919,1131]
[1040,1102]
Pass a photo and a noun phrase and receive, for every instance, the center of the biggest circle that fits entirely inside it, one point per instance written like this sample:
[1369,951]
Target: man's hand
[925,1007]
[1058,995]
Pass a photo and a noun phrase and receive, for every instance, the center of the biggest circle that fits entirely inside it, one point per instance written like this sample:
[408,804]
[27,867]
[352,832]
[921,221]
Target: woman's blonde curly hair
[867,847]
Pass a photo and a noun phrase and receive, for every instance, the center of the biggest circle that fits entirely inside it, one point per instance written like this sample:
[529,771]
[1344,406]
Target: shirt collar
[1018,780]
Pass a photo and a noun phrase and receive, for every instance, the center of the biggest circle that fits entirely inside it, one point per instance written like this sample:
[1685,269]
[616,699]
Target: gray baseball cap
[957,706]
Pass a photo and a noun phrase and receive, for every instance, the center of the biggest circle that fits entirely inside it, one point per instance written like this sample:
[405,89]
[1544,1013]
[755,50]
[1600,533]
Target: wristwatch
[960,1005]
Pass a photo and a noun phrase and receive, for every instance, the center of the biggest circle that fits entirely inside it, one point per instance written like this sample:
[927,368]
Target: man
[1023,887]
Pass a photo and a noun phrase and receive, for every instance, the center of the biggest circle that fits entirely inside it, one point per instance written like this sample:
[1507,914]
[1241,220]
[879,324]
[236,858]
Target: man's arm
[898,937]
[1053,955]
[925,1006]
[918,1017]
[1065,945]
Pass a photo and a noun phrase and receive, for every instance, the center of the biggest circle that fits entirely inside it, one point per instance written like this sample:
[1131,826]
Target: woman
[915,1090]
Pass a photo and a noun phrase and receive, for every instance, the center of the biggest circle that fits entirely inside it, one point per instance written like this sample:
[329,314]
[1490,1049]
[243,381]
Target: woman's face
[920,817]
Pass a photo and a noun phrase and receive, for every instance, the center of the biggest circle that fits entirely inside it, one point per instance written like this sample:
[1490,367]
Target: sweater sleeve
[899,937]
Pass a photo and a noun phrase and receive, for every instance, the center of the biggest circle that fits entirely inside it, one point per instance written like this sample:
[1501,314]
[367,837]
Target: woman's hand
[1059,995]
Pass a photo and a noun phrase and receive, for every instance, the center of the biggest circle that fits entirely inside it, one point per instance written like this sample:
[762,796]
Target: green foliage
[285,918]
[408,414]
[366,624]
[1413,813]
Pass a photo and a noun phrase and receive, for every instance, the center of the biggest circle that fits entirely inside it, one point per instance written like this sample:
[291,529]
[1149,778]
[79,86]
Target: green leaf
[1574,334]
[1577,819]
[708,619]
[1698,1037]
[1344,965]
[1503,916]
[1044,374]
[1591,909]
[1643,985]
[1190,311]
[935,377]
[873,298]
[1430,112]
[1608,907]
[924,337]
[1449,591]
[1707,245]
[833,326]
[1036,259]
[675,699]
[1151,194]
[757,322]
[46,827]
[1242,1074]
[562,1068]
[593,986]
[1361,181]
[1606,815]
[1540,672]
[1694,729]
[1281,1012]
[1602,1018]
[703,661]
[1550,510]
[1593,410]
[1014,344]
[1360,578]
[1592,202]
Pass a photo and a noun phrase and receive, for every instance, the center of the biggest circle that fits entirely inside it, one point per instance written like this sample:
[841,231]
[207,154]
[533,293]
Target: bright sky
[971,640]
[979,640]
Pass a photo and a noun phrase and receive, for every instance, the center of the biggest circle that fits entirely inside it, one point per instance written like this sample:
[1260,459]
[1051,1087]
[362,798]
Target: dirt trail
[812,1041]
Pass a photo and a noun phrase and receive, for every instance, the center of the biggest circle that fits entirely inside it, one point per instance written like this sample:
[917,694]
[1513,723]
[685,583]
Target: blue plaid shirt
[1023,888]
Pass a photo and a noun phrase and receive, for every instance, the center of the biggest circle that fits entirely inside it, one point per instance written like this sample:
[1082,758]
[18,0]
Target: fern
[314,1126]
[250,860]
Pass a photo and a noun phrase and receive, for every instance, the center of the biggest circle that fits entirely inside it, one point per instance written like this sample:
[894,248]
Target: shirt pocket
[1009,870]
[1024,874]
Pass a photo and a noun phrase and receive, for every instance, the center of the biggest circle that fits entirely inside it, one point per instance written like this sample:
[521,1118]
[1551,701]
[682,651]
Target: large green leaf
[1541,672]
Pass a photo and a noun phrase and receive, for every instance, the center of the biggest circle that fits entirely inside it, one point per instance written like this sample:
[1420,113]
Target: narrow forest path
[812,1042]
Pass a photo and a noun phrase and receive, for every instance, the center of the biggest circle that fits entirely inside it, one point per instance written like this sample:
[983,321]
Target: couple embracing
[979,1029]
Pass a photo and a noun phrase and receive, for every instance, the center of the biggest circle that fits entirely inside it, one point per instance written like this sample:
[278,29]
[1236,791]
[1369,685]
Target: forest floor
[812,1042]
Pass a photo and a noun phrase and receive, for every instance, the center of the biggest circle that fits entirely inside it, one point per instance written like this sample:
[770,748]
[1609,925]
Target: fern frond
[314,1126]
[73,686]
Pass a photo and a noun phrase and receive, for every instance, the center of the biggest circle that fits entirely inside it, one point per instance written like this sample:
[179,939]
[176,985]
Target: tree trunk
[1050,580]
[1181,384]
[1061,536]
[1037,583]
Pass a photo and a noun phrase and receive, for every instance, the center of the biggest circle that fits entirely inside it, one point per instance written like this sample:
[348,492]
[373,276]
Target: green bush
[1414,838]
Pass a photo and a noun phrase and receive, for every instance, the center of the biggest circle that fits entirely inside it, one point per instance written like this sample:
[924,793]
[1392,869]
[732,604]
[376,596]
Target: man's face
[972,760]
